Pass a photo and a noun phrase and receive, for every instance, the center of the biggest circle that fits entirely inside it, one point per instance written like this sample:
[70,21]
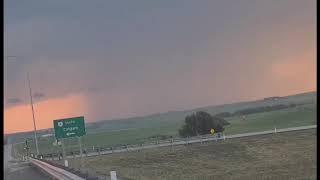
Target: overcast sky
[122,58]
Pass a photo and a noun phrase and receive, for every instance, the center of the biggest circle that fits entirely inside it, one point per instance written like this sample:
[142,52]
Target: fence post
[113,175]
[66,164]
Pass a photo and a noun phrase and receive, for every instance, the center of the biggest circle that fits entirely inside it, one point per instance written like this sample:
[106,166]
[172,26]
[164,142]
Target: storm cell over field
[118,59]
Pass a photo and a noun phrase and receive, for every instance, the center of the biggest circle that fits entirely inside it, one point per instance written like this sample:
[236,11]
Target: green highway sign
[70,127]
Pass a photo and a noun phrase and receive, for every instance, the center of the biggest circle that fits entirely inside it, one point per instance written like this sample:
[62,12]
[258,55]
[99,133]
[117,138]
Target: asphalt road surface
[15,170]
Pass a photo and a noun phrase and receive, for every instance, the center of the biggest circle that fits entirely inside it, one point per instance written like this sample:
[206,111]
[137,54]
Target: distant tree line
[255,110]
[272,98]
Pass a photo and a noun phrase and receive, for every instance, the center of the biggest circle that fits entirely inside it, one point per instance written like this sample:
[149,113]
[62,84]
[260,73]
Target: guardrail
[53,171]
[58,171]
[171,142]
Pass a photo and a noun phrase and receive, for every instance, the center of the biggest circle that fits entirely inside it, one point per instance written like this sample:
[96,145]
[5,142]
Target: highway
[199,139]
[14,170]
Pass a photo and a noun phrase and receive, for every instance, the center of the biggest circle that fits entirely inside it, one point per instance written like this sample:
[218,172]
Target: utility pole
[34,121]
[31,102]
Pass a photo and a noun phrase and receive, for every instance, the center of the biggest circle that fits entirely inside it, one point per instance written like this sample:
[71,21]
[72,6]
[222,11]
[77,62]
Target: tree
[201,123]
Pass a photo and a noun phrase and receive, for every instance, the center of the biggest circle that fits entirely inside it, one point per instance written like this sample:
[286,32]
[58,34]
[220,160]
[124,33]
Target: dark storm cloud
[13,101]
[38,95]
[138,57]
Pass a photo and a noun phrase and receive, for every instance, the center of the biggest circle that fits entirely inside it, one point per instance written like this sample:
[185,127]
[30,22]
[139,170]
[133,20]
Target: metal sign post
[64,153]
[80,146]
[67,128]
[26,147]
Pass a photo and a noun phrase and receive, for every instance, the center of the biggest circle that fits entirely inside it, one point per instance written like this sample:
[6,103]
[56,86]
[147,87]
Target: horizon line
[146,115]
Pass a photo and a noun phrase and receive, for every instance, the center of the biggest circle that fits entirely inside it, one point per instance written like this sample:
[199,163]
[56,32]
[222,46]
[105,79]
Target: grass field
[140,129]
[292,117]
[289,155]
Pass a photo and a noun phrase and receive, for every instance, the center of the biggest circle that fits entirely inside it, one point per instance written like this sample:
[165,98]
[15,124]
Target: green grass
[293,117]
[139,129]
[106,139]
[289,155]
